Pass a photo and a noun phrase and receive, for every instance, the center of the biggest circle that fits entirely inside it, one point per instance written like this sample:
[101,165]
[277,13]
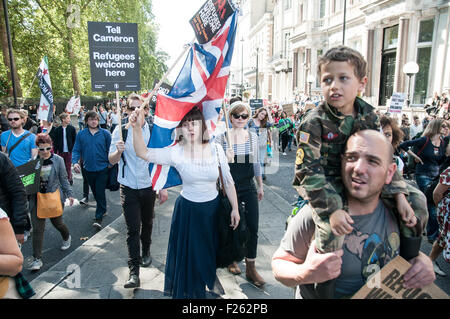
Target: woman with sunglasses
[245,166]
[193,239]
[430,155]
[53,177]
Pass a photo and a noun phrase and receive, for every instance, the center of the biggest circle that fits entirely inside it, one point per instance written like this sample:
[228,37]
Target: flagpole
[225,114]
[119,115]
[167,74]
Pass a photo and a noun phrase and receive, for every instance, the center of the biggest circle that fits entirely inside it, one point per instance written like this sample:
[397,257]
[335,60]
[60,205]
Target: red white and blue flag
[202,82]
[45,111]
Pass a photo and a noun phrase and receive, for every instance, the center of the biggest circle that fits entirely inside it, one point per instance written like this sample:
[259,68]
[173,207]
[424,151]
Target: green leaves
[58,29]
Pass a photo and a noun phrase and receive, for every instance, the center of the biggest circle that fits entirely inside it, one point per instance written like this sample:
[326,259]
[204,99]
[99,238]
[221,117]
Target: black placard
[210,19]
[30,175]
[256,104]
[114,56]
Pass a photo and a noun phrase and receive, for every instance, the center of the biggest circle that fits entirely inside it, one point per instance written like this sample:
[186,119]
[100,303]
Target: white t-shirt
[3,214]
[199,176]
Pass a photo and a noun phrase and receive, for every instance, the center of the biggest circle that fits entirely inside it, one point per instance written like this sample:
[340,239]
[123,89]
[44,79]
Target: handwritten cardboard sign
[397,101]
[388,284]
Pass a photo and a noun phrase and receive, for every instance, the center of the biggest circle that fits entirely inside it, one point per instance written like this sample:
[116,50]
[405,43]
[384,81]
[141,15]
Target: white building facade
[290,35]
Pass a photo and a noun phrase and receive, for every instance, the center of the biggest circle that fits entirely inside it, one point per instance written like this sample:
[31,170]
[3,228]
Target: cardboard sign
[388,284]
[210,19]
[397,101]
[114,56]
[30,174]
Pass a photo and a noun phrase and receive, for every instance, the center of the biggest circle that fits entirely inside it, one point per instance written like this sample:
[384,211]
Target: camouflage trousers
[326,241]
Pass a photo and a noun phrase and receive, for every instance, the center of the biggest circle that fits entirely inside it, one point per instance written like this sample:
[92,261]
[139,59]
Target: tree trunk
[73,64]
[5,52]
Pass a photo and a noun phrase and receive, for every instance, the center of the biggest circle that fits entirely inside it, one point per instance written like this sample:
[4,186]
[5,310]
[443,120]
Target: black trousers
[250,197]
[138,210]
[284,141]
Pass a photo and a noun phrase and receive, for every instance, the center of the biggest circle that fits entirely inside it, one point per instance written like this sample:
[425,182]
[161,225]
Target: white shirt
[3,214]
[199,176]
[114,118]
[65,148]
[414,130]
[137,174]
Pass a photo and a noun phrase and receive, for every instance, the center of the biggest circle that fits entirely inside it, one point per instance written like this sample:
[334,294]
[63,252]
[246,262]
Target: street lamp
[257,57]
[410,69]
[310,79]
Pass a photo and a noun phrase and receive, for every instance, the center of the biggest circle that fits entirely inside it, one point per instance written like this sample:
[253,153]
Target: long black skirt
[191,252]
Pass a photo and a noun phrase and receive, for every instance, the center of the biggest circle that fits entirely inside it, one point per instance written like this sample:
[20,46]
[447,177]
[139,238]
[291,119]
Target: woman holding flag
[191,253]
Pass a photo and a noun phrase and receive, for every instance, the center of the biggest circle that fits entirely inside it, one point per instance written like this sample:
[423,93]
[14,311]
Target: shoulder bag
[49,205]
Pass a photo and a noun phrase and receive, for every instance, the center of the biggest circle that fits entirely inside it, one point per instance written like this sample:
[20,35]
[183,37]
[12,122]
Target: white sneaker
[66,243]
[84,201]
[438,270]
[35,265]
[26,235]
[284,153]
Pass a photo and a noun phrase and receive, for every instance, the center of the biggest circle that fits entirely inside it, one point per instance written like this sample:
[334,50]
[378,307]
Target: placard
[210,19]
[164,88]
[388,284]
[114,56]
[397,101]
[30,175]
[256,104]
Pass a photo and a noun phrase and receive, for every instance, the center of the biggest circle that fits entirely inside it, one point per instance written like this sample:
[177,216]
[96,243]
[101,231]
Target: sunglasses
[13,119]
[242,116]
[45,149]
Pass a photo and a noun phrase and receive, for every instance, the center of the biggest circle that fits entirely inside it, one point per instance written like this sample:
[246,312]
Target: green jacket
[322,136]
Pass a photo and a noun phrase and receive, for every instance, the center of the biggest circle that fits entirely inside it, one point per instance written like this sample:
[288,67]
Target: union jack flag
[201,82]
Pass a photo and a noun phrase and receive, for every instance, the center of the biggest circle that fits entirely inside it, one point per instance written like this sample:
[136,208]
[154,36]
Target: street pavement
[97,268]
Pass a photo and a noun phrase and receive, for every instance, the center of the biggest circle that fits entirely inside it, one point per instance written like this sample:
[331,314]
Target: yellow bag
[49,205]
[8,288]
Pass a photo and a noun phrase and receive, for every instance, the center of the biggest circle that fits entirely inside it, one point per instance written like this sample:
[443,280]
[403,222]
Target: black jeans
[250,197]
[97,182]
[138,210]
[284,141]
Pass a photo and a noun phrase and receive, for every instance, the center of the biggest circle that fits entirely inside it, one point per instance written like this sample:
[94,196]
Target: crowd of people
[366,180]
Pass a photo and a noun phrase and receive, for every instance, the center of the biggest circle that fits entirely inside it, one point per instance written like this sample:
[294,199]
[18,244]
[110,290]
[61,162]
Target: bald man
[372,235]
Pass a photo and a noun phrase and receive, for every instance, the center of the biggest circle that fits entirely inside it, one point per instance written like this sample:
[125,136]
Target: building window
[286,45]
[424,45]
[390,38]
[322,9]
[287,4]
[300,13]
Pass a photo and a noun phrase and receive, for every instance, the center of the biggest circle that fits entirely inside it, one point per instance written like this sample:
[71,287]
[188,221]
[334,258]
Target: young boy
[322,136]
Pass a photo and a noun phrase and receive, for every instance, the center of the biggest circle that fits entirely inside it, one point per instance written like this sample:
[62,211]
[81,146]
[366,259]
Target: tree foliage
[58,29]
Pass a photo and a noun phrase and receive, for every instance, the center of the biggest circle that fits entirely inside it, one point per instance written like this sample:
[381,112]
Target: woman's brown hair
[194,115]
[397,133]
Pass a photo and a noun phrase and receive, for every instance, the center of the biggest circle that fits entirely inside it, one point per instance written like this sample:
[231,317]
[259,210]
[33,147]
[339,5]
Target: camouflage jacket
[321,137]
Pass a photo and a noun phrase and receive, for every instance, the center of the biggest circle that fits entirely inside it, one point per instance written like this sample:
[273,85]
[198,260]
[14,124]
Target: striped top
[240,150]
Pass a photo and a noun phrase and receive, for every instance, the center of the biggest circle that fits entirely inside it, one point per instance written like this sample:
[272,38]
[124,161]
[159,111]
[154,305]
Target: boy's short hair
[343,53]
[62,116]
